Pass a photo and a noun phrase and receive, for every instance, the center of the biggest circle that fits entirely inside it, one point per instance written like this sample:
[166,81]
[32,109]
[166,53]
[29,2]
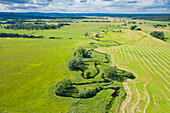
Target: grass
[29,68]
[155,80]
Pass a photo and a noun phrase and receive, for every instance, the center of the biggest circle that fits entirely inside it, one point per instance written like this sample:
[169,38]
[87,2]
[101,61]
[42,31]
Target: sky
[86,6]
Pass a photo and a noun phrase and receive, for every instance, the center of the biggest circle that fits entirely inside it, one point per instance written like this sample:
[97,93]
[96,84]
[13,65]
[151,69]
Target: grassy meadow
[29,68]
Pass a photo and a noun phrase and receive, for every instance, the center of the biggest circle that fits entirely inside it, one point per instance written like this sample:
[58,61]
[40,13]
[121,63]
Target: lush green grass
[151,66]
[29,68]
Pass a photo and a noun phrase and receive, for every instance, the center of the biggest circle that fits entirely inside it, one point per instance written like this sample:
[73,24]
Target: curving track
[148,98]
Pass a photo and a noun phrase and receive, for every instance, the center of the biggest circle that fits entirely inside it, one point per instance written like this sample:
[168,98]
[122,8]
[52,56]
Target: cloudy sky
[86,6]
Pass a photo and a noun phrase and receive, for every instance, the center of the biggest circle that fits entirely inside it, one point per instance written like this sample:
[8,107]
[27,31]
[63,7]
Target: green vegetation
[139,29]
[82,52]
[34,26]
[75,64]
[12,35]
[110,78]
[159,25]
[157,34]
[71,70]
[133,27]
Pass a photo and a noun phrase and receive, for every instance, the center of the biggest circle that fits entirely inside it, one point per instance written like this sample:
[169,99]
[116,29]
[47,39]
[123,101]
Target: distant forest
[154,17]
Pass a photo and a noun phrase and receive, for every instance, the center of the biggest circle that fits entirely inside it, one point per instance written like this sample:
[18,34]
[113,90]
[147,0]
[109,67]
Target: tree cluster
[97,21]
[110,72]
[87,93]
[65,88]
[75,64]
[133,27]
[139,29]
[117,74]
[131,22]
[82,52]
[158,34]
[35,26]
[15,35]
[31,26]
[55,38]
[159,25]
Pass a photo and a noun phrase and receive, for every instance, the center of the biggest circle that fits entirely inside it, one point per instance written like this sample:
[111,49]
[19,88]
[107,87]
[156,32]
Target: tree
[97,36]
[133,27]
[75,64]
[82,52]
[63,86]
[139,29]
[158,34]
[87,74]
[86,34]
[111,73]
[87,93]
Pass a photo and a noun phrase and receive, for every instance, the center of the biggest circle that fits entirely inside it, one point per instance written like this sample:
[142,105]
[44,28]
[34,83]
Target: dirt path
[126,87]
[133,109]
[130,98]
[148,98]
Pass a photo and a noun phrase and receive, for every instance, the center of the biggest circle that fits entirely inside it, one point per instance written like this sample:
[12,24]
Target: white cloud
[88,6]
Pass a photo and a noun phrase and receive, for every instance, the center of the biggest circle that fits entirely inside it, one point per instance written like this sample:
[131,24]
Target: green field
[29,68]
[151,66]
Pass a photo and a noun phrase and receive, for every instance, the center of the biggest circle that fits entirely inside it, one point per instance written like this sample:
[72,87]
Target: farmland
[151,66]
[31,67]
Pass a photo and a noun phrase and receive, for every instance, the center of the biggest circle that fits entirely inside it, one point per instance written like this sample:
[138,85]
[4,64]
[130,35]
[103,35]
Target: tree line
[96,21]
[35,26]
[159,25]
[16,35]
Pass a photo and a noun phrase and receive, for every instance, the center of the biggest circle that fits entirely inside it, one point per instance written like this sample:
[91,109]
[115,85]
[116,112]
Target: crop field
[149,92]
[30,68]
